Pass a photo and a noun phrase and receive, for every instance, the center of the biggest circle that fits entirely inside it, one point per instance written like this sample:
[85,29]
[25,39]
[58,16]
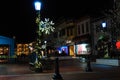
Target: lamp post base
[57,77]
[88,68]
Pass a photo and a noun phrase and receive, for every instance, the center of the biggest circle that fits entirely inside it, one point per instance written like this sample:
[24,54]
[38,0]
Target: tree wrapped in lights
[44,27]
[113,18]
[113,15]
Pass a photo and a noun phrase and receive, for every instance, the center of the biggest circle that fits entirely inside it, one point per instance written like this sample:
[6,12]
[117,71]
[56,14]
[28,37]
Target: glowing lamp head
[37,5]
[45,42]
[104,24]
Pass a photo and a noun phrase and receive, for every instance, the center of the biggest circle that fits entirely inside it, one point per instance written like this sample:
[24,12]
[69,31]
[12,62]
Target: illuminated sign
[118,44]
[82,49]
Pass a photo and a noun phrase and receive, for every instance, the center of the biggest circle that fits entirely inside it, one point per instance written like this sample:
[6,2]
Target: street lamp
[45,47]
[88,67]
[104,24]
[57,75]
[38,65]
[37,6]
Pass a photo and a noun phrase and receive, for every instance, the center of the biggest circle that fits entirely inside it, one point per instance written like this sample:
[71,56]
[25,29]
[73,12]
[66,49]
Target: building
[70,34]
[22,49]
[6,49]
[63,35]
[83,35]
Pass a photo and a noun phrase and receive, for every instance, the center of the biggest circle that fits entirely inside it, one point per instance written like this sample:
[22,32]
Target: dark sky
[17,17]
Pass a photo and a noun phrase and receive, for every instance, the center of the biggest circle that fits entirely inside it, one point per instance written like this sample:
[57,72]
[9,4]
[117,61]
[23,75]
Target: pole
[88,68]
[57,75]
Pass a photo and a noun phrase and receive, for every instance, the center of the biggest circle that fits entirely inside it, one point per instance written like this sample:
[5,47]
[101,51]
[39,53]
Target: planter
[38,67]
[113,62]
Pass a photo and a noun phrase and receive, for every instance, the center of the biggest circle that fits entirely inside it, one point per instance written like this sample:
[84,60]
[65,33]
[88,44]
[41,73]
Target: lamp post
[57,75]
[45,48]
[44,28]
[37,5]
[38,8]
[88,67]
[38,64]
[103,26]
[106,39]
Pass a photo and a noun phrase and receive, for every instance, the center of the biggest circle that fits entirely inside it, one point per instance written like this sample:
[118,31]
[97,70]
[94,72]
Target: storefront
[81,44]
[6,49]
[81,49]
[63,49]
[72,50]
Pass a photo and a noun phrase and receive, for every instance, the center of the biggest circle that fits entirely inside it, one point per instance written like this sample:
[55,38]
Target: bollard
[57,75]
[88,67]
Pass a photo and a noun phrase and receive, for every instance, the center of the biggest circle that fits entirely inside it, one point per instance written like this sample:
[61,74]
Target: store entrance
[4,53]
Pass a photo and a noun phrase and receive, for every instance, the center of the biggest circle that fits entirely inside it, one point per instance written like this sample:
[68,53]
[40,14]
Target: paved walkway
[69,70]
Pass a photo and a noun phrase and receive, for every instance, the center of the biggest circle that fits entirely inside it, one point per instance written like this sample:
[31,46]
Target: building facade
[6,49]
[22,49]
[73,35]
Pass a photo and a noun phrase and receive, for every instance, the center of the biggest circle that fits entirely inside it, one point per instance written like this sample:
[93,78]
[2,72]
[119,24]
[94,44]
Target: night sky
[17,17]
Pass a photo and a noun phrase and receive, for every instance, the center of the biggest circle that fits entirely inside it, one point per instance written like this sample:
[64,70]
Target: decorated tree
[113,15]
[104,47]
[44,28]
